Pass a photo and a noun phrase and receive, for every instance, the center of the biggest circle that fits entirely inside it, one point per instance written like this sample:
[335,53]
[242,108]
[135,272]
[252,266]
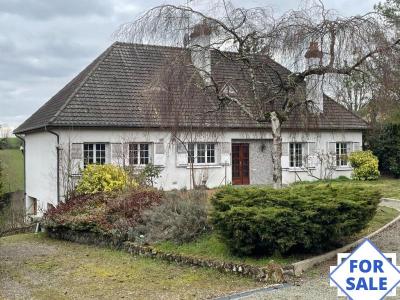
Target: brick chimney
[314,86]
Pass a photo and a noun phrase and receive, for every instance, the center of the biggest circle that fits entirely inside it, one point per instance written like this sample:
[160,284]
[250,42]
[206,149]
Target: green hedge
[309,218]
[385,144]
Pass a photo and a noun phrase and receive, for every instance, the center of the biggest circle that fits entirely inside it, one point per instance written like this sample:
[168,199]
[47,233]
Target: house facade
[106,115]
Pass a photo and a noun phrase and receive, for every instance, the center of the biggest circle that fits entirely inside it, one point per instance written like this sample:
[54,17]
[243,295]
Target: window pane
[88,154]
[291,155]
[341,154]
[133,154]
[100,154]
[191,153]
[201,153]
[144,154]
[299,155]
[295,155]
[210,153]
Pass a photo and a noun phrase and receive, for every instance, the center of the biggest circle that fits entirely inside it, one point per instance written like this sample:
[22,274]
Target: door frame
[241,144]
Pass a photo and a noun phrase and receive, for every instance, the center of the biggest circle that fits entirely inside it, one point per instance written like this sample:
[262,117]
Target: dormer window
[229,90]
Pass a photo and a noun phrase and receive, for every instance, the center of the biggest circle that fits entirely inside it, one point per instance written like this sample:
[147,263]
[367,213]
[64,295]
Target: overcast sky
[45,43]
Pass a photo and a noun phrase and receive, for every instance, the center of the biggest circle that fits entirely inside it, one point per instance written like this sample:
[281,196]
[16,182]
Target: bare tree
[332,45]
[5,131]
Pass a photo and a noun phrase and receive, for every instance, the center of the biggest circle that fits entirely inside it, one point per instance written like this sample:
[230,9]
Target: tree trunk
[276,150]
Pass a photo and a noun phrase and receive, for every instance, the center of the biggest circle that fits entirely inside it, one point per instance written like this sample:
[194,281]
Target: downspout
[23,152]
[58,161]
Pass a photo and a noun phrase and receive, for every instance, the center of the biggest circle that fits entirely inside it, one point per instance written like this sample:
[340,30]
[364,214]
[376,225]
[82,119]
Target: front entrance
[240,164]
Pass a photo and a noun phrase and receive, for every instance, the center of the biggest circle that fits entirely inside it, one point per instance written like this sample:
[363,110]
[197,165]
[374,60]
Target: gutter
[58,161]
[24,153]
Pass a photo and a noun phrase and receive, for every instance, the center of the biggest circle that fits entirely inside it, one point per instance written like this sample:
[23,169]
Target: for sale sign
[366,273]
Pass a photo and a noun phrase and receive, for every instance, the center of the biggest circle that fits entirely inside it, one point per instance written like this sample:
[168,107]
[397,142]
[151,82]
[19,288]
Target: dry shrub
[182,217]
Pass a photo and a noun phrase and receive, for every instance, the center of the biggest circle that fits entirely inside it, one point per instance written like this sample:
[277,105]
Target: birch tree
[336,45]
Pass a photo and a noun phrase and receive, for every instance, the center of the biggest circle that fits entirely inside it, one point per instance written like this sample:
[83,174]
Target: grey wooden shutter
[332,148]
[108,153]
[311,161]
[76,158]
[117,154]
[356,146]
[159,154]
[181,154]
[225,150]
[285,156]
[125,154]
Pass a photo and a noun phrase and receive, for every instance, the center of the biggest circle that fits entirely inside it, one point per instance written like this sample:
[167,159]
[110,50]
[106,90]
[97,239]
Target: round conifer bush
[301,218]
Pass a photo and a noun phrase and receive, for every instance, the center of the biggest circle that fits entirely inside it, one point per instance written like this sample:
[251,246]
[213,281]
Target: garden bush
[103,178]
[306,218]
[365,165]
[385,144]
[103,212]
[182,217]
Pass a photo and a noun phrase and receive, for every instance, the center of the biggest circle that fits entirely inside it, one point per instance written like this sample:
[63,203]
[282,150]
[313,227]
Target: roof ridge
[85,79]
[149,45]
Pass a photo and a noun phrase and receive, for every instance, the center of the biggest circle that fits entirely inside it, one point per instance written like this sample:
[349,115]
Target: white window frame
[339,153]
[139,154]
[95,157]
[208,149]
[295,156]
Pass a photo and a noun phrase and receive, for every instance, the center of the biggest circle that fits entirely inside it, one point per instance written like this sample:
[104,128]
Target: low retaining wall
[86,237]
[271,273]
[19,230]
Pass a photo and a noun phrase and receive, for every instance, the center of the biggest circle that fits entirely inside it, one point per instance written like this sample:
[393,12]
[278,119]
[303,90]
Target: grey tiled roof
[121,89]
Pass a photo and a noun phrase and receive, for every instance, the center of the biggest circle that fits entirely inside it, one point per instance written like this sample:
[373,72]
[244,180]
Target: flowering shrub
[103,178]
[365,165]
[102,212]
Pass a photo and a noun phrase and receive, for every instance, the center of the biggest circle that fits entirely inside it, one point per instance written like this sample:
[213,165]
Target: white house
[106,114]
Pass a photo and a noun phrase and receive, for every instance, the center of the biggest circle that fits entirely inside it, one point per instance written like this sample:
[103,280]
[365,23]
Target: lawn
[209,246]
[389,187]
[35,267]
[12,162]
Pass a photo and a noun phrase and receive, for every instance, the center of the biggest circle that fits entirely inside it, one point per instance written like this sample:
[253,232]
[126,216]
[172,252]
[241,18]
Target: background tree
[339,46]
[1,181]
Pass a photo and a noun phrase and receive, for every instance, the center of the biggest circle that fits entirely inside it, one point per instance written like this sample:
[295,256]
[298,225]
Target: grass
[41,268]
[12,163]
[389,187]
[210,247]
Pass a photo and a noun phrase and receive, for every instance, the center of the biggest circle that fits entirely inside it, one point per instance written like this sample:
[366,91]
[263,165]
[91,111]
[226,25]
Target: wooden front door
[240,164]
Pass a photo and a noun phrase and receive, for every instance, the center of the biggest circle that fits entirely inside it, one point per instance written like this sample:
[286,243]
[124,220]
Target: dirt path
[34,267]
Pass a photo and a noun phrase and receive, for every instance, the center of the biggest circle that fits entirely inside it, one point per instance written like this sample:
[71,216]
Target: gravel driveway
[315,284]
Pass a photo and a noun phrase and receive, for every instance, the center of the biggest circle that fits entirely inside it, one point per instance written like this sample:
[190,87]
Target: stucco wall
[41,170]
[41,156]
[321,140]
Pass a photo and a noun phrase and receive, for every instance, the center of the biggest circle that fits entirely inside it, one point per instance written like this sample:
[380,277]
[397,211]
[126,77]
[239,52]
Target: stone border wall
[25,229]
[271,273]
